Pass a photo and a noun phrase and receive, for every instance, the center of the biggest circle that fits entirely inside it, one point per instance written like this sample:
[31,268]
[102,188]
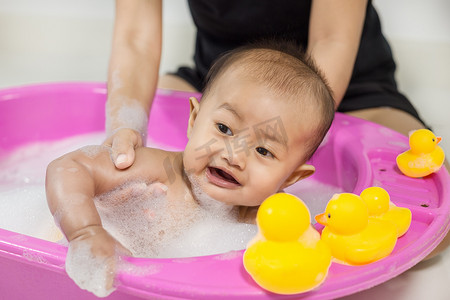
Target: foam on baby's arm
[88,271]
[71,184]
[92,260]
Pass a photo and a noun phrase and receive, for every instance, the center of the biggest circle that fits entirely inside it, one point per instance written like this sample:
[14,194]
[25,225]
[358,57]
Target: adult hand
[123,143]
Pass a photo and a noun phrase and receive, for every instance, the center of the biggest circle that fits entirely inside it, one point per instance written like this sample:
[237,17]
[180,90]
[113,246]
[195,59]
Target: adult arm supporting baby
[132,76]
[334,37]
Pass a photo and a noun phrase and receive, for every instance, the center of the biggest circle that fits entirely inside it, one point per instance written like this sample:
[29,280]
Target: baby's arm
[74,179]
[72,182]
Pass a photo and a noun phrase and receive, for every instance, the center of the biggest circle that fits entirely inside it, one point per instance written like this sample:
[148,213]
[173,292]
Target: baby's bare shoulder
[157,163]
[146,155]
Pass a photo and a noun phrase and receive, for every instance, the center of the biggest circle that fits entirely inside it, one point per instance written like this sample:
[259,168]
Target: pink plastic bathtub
[357,154]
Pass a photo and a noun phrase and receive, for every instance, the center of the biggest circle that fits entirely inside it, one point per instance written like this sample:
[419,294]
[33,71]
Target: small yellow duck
[287,255]
[424,157]
[380,206]
[352,236]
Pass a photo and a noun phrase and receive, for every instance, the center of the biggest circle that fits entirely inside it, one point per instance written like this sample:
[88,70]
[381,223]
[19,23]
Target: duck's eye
[264,152]
[433,139]
[329,215]
[224,129]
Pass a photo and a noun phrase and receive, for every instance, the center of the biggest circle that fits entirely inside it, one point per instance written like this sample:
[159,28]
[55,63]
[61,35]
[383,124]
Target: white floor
[53,41]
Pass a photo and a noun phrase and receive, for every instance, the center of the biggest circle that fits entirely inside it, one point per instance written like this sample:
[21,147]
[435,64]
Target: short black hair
[283,66]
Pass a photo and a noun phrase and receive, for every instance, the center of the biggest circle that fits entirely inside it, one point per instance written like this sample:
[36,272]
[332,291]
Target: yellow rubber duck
[380,206]
[424,157]
[287,255]
[352,236]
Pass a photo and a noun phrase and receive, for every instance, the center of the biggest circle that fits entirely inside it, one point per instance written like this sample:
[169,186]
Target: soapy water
[147,225]
[90,273]
[23,204]
[150,226]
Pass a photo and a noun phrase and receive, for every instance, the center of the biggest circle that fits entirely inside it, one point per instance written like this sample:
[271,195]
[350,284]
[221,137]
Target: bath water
[137,224]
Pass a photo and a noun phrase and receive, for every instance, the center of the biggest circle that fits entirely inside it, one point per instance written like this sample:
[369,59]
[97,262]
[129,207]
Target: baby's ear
[195,106]
[300,173]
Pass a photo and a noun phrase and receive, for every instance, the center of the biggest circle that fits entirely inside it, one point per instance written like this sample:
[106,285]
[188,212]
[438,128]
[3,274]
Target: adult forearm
[335,29]
[336,60]
[132,81]
[134,64]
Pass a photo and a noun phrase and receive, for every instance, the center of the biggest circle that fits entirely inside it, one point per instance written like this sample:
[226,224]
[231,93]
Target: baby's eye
[264,152]
[224,129]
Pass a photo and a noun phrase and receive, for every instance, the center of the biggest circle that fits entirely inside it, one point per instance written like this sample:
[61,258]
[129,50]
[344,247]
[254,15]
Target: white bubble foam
[116,82]
[137,215]
[210,235]
[24,210]
[314,194]
[228,255]
[23,205]
[27,164]
[94,274]
[208,203]
[137,270]
[214,230]
[148,225]
[92,151]
[130,115]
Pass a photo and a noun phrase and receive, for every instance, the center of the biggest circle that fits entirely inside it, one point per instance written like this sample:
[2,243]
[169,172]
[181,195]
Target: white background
[61,40]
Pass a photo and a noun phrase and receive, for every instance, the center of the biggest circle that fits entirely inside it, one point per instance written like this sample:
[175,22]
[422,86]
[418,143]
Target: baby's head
[264,111]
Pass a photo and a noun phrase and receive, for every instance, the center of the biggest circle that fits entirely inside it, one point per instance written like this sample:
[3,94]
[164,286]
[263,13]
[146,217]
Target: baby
[263,113]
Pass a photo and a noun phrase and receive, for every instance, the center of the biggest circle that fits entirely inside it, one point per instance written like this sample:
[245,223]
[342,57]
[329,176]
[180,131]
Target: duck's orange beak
[321,219]
[438,138]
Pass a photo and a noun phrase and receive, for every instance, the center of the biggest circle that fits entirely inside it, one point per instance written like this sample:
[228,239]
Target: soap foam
[147,224]
[130,115]
[23,204]
[92,151]
[207,203]
[314,194]
[138,216]
[24,210]
[116,82]
[141,218]
[91,273]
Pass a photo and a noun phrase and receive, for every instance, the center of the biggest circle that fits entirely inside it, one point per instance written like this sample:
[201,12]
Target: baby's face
[245,142]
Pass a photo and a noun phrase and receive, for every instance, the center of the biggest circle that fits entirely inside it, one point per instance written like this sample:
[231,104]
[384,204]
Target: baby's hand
[123,142]
[92,260]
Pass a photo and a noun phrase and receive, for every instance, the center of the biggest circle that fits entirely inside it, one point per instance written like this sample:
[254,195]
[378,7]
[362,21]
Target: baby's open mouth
[221,178]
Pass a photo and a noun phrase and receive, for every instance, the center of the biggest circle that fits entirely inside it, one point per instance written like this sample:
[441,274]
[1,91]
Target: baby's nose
[235,157]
